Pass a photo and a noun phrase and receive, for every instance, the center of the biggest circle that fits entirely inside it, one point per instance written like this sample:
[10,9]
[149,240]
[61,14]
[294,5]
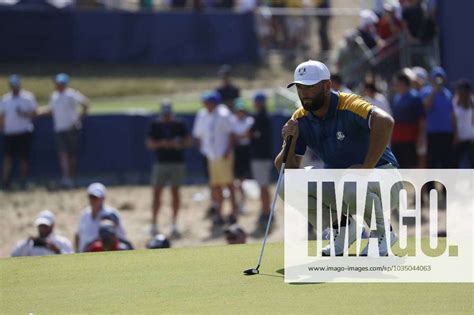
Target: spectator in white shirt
[89,224]
[17,110]
[46,243]
[213,128]
[68,107]
[371,95]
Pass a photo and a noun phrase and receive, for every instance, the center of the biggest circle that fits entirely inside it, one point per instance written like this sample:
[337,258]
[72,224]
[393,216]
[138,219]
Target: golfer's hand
[290,129]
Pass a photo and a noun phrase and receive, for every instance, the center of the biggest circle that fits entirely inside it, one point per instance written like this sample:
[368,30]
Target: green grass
[124,88]
[202,280]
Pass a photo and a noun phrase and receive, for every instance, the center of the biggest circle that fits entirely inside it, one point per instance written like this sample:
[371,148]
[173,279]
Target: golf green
[202,280]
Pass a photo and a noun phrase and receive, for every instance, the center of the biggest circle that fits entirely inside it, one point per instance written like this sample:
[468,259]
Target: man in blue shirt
[344,131]
[440,121]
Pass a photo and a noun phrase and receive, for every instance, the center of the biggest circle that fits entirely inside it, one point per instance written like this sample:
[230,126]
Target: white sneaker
[382,244]
[340,236]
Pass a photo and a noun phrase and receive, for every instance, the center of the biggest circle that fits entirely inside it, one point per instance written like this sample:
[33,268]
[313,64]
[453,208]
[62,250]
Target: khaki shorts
[164,173]
[221,171]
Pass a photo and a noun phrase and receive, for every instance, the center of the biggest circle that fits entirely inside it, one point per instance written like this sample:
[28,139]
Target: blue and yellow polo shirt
[341,138]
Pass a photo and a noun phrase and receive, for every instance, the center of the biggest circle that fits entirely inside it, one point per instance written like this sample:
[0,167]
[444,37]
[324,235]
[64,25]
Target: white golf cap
[45,217]
[97,189]
[310,72]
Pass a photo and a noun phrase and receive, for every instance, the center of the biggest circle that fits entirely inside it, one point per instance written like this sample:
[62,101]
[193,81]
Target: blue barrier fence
[125,37]
[112,147]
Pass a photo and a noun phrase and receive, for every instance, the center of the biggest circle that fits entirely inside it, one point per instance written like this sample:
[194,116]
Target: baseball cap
[14,80]
[239,104]
[420,73]
[97,189]
[438,72]
[310,72]
[260,97]
[211,96]
[166,107]
[45,217]
[62,78]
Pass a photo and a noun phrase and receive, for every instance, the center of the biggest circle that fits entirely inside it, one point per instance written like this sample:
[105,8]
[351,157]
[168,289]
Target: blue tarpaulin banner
[113,146]
[125,37]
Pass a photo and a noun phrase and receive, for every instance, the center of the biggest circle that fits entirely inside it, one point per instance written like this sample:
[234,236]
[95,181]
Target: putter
[254,271]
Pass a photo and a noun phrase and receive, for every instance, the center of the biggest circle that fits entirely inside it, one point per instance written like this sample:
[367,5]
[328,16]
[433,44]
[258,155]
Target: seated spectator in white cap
[89,224]
[108,240]
[46,243]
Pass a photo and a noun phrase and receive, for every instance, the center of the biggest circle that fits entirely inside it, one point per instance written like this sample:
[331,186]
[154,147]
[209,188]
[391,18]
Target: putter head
[251,272]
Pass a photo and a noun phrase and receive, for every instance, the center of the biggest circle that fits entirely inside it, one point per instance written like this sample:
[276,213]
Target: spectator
[372,96]
[367,28]
[323,24]
[228,92]
[463,109]
[46,243]
[213,129]
[261,154]
[92,216]
[418,25]
[440,124]
[63,105]
[338,84]
[108,239]
[389,26]
[17,110]
[421,78]
[167,137]
[408,115]
[242,125]
[234,234]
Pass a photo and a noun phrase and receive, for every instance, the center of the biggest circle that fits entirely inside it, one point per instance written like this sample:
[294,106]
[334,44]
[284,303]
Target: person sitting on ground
[46,243]
[228,92]
[108,239]
[89,224]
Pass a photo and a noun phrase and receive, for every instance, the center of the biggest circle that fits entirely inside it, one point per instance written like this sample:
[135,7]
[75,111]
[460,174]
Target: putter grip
[287,148]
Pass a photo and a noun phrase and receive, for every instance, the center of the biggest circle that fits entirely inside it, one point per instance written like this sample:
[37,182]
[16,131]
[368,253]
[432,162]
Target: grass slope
[202,280]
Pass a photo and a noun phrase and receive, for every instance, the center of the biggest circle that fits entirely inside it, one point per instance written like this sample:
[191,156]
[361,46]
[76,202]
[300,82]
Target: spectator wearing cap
[213,128]
[64,105]
[463,109]
[108,239]
[242,124]
[89,223]
[17,110]
[167,138]
[228,92]
[420,79]
[261,152]
[372,96]
[46,242]
[440,120]
[338,84]
[408,114]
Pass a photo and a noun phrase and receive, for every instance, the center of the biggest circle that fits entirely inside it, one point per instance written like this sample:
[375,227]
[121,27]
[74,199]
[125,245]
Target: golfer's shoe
[340,236]
[382,243]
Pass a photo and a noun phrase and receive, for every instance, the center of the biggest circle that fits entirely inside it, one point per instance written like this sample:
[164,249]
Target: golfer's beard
[315,104]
